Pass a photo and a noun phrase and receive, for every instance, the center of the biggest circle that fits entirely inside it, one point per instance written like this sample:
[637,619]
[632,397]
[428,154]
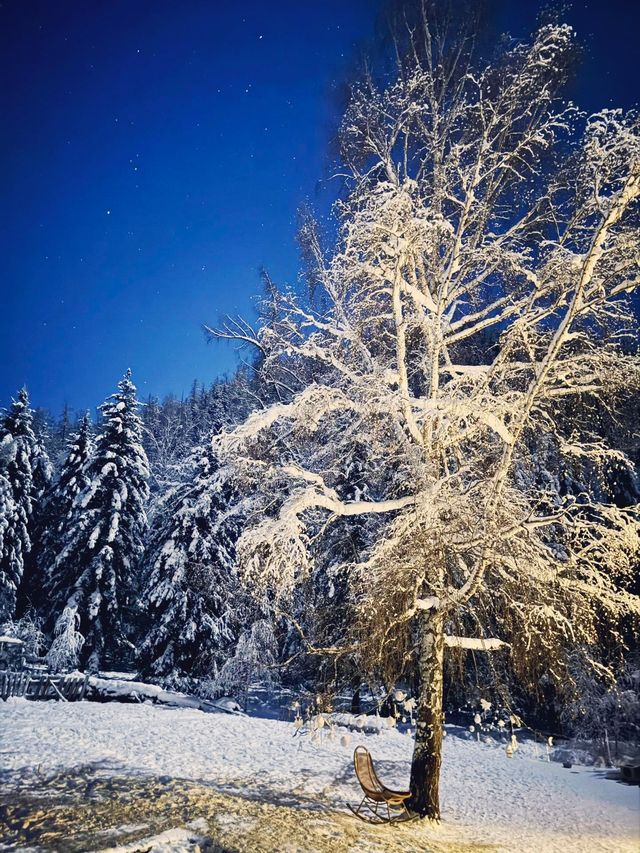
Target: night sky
[154,155]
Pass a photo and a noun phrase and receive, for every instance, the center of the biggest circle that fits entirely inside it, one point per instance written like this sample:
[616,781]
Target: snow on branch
[314,403]
[481,644]
[327,498]
[432,602]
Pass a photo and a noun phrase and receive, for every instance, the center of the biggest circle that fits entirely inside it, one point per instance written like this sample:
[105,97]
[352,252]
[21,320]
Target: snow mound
[178,840]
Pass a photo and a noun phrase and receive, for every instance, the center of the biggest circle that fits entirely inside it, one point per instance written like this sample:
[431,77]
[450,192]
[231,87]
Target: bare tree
[476,202]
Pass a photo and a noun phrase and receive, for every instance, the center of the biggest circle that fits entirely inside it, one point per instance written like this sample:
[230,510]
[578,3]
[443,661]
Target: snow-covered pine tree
[190,595]
[59,432]
[31,587]
[173,429]
[18,443]
[476,200]
[7,520]
[58,508]
[27,628]
[41,463]
[94,571]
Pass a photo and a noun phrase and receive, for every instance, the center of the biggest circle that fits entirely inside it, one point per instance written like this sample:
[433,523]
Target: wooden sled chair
[382,804]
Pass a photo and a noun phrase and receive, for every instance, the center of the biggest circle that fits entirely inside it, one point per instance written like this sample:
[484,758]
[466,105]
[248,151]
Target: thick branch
[481,644]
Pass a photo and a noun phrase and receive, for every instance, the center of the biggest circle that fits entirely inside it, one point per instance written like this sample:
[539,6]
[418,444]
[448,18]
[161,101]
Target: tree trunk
[427,752]
[355,701]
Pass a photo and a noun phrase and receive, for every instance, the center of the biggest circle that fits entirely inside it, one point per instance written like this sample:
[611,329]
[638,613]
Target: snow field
[521,804]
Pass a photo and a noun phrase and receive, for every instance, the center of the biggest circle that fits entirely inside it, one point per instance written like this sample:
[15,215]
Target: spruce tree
[61,435]
[7,521]
[30,591]
[17,496]
[189,590]
[59,506]
[41,466]
[93,573]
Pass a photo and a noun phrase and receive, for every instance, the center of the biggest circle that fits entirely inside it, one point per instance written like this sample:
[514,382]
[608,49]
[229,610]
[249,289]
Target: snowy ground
[254,786]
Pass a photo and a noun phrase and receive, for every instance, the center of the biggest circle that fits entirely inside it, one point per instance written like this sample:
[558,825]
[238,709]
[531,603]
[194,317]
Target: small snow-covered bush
[254,657]
[28,629]
[67,645]
[607,715]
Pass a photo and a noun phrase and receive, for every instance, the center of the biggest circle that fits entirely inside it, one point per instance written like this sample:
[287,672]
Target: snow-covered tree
[94,571]
[28,629]
[64,653]
[60,430]
[17,444]
[31,587]
[475,201]
[173,428]
[190,595]
[58,505]
[254,660]
[323,607]
[41,464]
[8,513]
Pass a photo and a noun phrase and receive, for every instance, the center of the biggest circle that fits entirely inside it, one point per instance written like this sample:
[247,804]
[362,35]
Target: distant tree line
[112,535]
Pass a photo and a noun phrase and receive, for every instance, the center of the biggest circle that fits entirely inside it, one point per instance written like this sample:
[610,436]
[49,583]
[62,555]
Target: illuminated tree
[476,202]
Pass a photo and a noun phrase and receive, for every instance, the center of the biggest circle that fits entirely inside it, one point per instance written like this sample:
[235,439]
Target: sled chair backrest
[363,764]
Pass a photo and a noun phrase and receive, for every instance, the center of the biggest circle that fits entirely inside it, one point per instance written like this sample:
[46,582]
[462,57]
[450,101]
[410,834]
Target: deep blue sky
[154,155]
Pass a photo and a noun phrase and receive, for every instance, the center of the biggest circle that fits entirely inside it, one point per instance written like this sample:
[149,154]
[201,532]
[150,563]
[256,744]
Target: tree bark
[355,701]
[427,751]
